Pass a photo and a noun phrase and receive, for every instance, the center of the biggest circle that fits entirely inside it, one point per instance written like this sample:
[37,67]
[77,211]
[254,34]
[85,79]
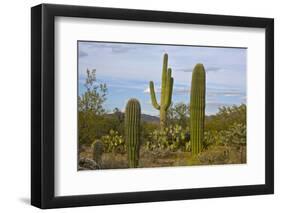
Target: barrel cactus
[132,131]
[197,108]
[97,149]
[166,92]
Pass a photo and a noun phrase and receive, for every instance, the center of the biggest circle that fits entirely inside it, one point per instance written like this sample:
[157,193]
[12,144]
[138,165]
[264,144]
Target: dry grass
[213,156]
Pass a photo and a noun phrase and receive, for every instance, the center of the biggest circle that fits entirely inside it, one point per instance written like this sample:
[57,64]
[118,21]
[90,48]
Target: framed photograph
[139,106]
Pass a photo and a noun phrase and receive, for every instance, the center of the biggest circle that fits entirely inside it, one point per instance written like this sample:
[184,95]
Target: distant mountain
[144,117]
[149,118]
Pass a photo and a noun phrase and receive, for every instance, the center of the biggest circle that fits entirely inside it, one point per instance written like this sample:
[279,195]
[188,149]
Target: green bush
[147,128]
[178,114]
[235,135]
[92,126]
[226,117]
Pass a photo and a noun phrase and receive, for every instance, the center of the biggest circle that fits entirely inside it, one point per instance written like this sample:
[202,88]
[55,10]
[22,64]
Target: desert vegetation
[182,134]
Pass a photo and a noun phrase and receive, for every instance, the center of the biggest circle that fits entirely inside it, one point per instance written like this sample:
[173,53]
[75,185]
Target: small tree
[90,108]
[94,96]
[179,113]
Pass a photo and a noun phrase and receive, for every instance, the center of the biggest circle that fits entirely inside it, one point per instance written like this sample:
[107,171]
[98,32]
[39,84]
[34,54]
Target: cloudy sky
[128,68]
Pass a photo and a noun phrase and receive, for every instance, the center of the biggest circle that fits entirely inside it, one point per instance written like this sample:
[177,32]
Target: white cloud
[225,93]
[156,89]
[176,90]
[147,90]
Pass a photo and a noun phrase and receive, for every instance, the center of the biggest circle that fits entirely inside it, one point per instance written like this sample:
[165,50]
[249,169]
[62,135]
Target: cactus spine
[166,92]
[197,108]
[132,131]
[97,148]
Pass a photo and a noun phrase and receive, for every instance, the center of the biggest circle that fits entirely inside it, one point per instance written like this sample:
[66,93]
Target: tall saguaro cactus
[132,131]
[197,108]
[166,92]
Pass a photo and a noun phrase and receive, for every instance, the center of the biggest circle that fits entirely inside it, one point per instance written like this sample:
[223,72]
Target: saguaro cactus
[197,108]
[166,92]
[132,131]
[97,149]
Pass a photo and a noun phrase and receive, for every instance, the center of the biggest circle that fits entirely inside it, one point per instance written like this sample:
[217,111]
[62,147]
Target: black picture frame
[43,105]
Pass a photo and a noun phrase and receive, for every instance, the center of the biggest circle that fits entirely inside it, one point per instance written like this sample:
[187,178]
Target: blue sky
[127,68]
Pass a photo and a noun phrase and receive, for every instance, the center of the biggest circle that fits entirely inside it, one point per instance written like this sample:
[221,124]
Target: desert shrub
[172,138]
[92,126]
[114,142]
[214,155]
[226,117]
[178,114]
[147,128]
[223,146]
[235,135]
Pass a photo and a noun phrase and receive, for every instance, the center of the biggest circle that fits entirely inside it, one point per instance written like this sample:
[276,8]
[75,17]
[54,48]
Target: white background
[15,106]
[70,182]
